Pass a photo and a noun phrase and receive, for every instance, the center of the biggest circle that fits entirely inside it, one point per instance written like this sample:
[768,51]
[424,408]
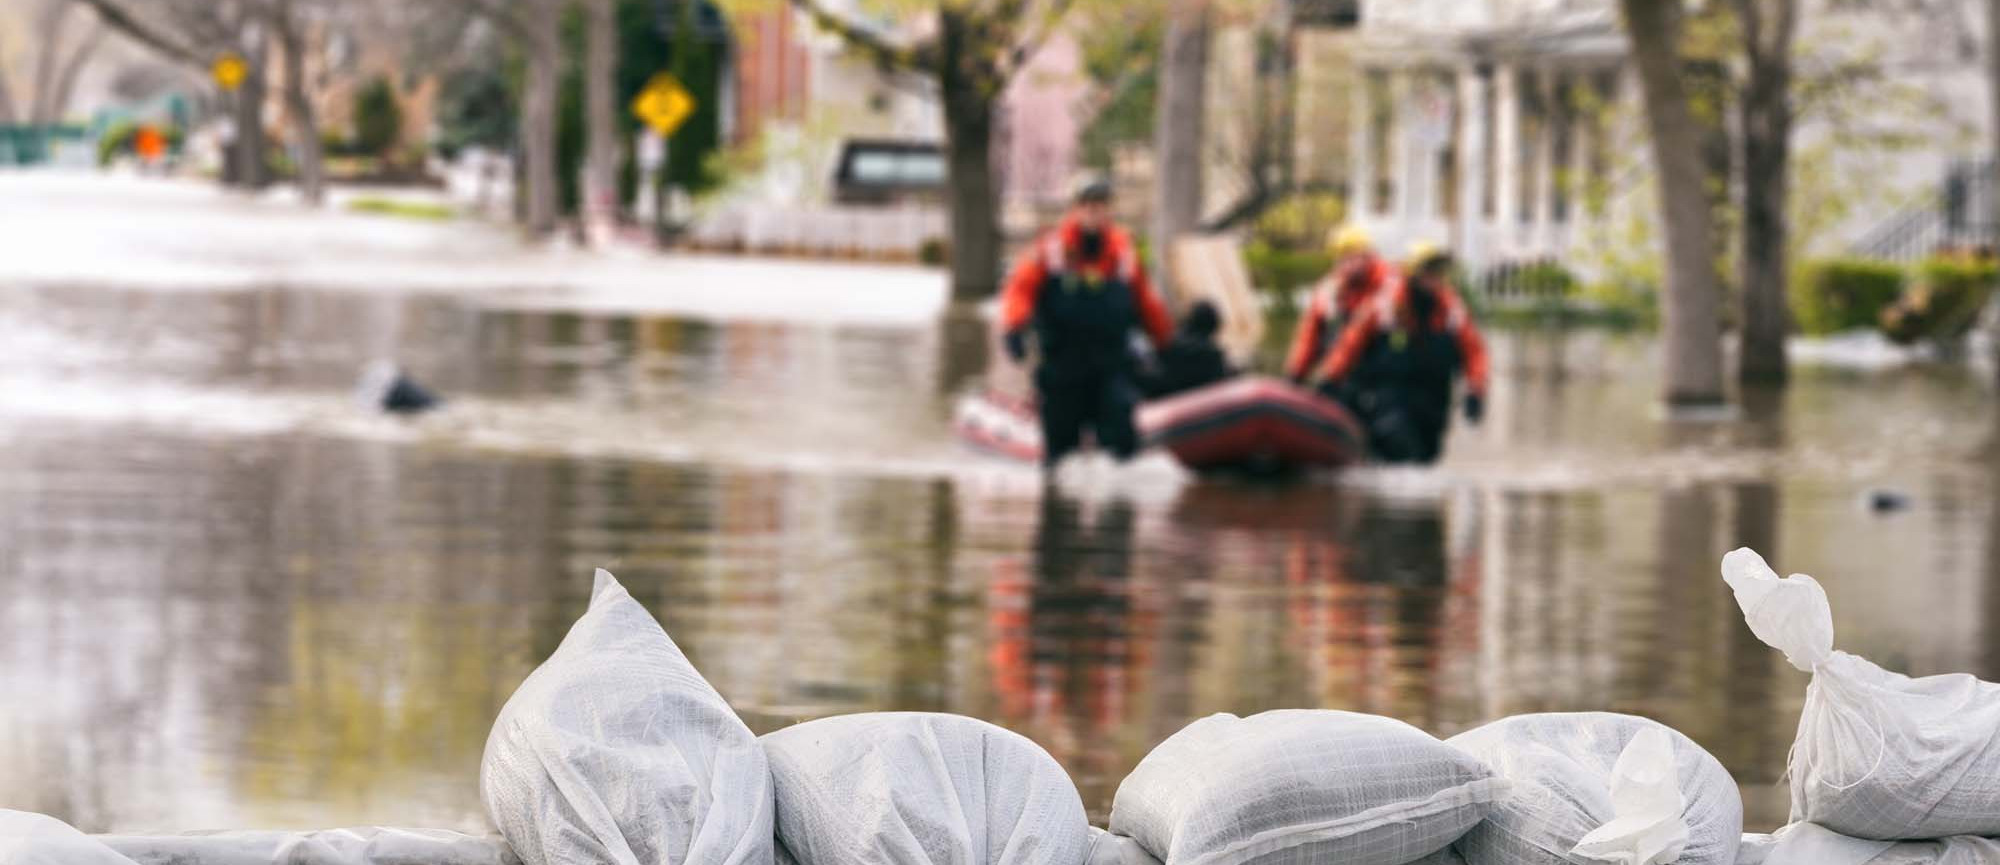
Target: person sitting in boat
[1358,275]
[1397,360]
[1193,359]
[1081,290]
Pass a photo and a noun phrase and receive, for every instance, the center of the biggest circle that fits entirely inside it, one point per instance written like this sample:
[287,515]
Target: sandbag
[1109,849]
[1601,787]
[616,751]
[893,787]
[1301,786]
[1809,844]
[370,846]
[28,838]
[1879,755]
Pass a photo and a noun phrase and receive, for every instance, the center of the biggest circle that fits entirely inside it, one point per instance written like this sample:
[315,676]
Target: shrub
[1943,304]
[1283,271]
[934,251]
[378,117]
[1836,294]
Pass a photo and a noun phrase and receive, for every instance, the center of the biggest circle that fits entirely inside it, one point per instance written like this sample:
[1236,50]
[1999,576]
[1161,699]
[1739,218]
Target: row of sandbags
[616,751]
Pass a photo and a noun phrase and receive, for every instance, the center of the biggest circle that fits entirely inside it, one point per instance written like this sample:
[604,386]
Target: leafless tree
[1692,299]
[535,26]
[1179,127]
[600,182]
[975,48]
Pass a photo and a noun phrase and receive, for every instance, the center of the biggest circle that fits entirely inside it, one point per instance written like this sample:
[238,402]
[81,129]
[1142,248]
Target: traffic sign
[663,104]
[229,70]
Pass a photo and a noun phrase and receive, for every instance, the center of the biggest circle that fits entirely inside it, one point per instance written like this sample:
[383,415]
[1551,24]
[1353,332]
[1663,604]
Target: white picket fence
[858,232]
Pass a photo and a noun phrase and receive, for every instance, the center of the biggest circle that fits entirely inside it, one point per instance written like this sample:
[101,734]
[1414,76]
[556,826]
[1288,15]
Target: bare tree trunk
[1766,120]
[48,35]
[538,118]
[305,125]
[1693,341]
[600,171]
[8,113]
[972,192]
[1179,124]
[251,171]
[72,69]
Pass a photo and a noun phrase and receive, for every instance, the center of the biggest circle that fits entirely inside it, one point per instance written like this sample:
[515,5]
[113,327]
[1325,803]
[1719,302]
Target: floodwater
[231,598]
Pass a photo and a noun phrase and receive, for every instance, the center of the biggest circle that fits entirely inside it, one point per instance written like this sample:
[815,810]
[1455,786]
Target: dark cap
[1093,189]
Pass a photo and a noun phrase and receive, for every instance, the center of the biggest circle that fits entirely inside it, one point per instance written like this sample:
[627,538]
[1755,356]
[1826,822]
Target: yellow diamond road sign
[229,70]
[664,104]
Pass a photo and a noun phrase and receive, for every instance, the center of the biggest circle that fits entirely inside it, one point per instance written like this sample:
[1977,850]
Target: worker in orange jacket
[1081,290]
[1396,361]
[1358,274]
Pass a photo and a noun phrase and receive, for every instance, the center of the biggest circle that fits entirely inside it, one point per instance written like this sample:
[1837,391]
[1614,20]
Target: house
[1511,129]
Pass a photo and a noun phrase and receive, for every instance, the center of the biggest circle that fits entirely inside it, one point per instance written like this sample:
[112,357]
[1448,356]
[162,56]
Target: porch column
[1545,161]
[1361,152]
[1401,207]
[1584,134]
[1506,158]
[1471,155]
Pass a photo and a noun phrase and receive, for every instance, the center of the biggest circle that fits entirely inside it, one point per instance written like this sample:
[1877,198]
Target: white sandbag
[1109,849]
[893,787]
[27,838]
[1601,787]
[370,846]
[1301,786]
[1879,755]
[1809,844]
[616,751]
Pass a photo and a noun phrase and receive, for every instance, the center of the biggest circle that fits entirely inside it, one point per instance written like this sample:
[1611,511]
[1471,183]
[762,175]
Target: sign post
[663,105]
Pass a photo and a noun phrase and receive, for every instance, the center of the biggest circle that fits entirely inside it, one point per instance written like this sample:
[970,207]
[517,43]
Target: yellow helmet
[1349,239]
[1424,252]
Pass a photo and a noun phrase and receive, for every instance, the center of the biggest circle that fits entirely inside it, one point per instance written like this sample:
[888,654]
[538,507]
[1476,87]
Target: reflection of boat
[1250,422]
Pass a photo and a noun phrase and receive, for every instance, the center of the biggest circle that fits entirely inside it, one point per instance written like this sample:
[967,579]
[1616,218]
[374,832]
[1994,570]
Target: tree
[58,62]
[305,123]
[600,186]
[191,33]
[1690,320]
[974,50]
[1993,84]
[1764,159]
[534,25]
[1179,136]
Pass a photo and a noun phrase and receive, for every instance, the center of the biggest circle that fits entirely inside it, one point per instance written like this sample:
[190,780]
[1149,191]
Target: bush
[117,140]
[1283,271]
[934,251]
[1836,294]
[378,118]
[1300,222]
[1943,304]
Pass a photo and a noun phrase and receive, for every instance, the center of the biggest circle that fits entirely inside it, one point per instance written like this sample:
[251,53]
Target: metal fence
[1958,214]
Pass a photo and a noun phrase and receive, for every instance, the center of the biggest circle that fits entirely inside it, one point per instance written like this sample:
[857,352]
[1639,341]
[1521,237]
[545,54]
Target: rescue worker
[1193,359]
[1397,359]
[1082,292]
[1358,275]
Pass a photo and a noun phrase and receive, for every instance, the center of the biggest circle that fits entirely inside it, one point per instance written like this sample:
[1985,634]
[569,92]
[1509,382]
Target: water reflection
[312,620]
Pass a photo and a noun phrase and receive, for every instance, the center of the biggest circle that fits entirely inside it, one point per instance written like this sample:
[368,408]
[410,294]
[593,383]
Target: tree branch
[118,18]
[1025,50]
[887,54]
[65,85]
[502,17]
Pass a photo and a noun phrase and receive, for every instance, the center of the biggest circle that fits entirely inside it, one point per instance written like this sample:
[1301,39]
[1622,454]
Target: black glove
[1475,408]
[1016,342]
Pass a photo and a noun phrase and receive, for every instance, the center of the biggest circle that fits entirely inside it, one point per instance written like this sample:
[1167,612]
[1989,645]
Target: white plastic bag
[1808,844]
[1300,786]
[616,751]
[1601,787]
[895,787]
[27,838]
[371,846]
[1879,755]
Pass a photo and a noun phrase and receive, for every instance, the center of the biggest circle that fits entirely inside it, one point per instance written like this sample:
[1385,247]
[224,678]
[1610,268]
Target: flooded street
[230,597]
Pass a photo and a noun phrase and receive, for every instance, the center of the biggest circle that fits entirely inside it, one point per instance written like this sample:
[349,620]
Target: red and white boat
[1250,423]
